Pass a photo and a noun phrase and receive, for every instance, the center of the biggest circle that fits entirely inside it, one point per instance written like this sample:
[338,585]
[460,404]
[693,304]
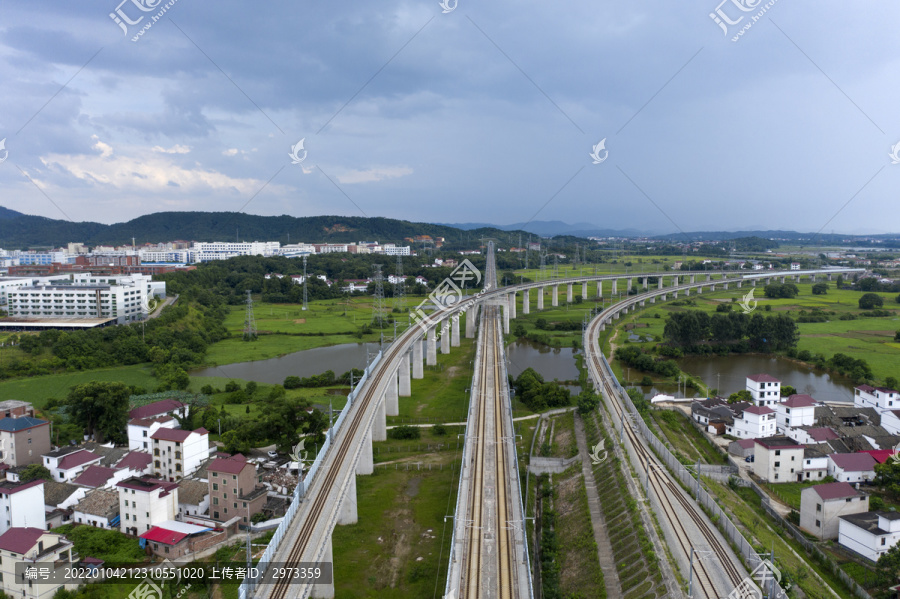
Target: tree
[820,288]
[870,300]
[250,388]
[234,442]
[587,402]
[101,409]
[742,395]
[888,564]
[787,391]
[33,472]
[891,383]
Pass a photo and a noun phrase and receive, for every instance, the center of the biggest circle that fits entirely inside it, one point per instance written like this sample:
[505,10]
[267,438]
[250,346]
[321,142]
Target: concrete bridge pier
[600,289]
[693,279]
[659,283]
[540,298]
[709,277]
[445,337]
[643,303]
[602,327]
[454,331]
[554,299]
[675,294]
[417,371]
[324,591]
[829,276]
[644,282]
[348,513]
[471,316]
[630,284]
[665,296]
[754,282]
[366,463]
[653,300]
[700,289]
[405,385]
[526,302]
[584,290]
[614,286]
[379,425]
[506,318]
[570,296]
[431,354]
[783,280]
[740,284]
[512,306]
[391,399]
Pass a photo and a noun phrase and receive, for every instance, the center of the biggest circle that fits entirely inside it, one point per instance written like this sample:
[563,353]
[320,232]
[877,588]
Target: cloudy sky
[467,112]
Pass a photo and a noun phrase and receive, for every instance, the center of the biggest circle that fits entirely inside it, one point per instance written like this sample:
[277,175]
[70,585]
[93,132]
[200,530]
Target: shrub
[820,289]
[439,429]
[405,431]
[870,300]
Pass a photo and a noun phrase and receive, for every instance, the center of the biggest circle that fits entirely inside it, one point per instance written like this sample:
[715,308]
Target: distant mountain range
[20,231]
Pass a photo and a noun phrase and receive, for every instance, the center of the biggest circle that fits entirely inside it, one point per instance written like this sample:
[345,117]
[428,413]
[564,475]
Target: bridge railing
[717,515]
[302,487]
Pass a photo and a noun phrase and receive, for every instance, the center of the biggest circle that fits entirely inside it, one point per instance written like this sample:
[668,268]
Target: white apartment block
[778,460]
[222,250]
[765,389]
[21,504]
[879,398]
[395,250]
[11,284]
[178,453]
[176,256]
[797,410]
[755,422]
[145,502]
[140,431]
[123,298]
[37,548]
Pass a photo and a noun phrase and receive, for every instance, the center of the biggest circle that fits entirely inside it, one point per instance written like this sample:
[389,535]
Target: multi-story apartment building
[178,453]
[145,502]
[221,250]
[765,389]
[234,489]
[123,298]
[778,460]
[21,504]
[37,548]
[880,398]
[23,440]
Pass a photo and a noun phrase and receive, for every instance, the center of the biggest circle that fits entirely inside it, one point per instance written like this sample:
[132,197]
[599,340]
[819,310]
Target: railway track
[668,493]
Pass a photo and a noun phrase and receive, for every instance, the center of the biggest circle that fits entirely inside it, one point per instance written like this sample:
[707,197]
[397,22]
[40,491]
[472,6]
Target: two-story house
[778,459]
[234,489]
[764,389]
[870,534]
[821,507]
[795,411]
[144,502]
[815,464]
[754,422]
[880,398]
[35,547]
[178,453]
[21,504]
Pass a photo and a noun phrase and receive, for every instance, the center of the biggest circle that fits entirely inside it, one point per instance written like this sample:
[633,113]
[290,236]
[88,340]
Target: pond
[729,374]
[339,358]
[550,362]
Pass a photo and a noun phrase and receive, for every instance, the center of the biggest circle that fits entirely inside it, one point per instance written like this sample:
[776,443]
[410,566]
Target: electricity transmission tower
[305,299]
[555,266]
[543,266]
[378,303]
[400,286]
[249,321]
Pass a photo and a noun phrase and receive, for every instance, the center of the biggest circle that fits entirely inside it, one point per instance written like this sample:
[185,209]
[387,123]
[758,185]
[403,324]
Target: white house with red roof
[21,504]
[880,398]
[140,429]
[851,467]
[178,453]
[753,422]
[778,459]
[821,507]
[38,548]
[145,502]
[796,410]
[163,407]
[765,389]
[68,462]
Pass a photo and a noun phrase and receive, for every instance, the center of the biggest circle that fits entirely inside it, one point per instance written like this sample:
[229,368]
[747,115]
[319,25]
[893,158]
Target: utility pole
[305,299]
[400,286]
[249,321]
[378,303]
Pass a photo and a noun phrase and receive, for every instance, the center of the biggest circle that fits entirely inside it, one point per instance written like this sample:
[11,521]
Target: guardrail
[303,486]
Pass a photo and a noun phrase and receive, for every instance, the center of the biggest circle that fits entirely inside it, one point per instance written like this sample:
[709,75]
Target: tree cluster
[637,358]
[698,332]
[781,290]
[539,395]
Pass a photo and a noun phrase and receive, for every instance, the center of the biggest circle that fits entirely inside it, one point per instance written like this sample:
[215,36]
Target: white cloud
[176,149]
[374,175]
[230,152]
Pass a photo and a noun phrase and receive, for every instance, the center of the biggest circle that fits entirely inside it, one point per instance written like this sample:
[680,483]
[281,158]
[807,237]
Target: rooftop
[232,465]
[778,442]
[759,410]
[57,492]
[763,378]
[12,425]
[192,492]
[9,487]
[176,434]
[100,502]
[94,476]
[77,458]
[157,408]
[20,540]
[135,460]
[867,521]
[853,462]
[830,491]
[146,484]
[799,401]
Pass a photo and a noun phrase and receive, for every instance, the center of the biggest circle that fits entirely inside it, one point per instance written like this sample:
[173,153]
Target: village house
[821,507]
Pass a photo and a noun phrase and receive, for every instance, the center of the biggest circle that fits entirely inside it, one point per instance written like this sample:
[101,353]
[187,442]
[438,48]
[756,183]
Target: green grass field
[39,389]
